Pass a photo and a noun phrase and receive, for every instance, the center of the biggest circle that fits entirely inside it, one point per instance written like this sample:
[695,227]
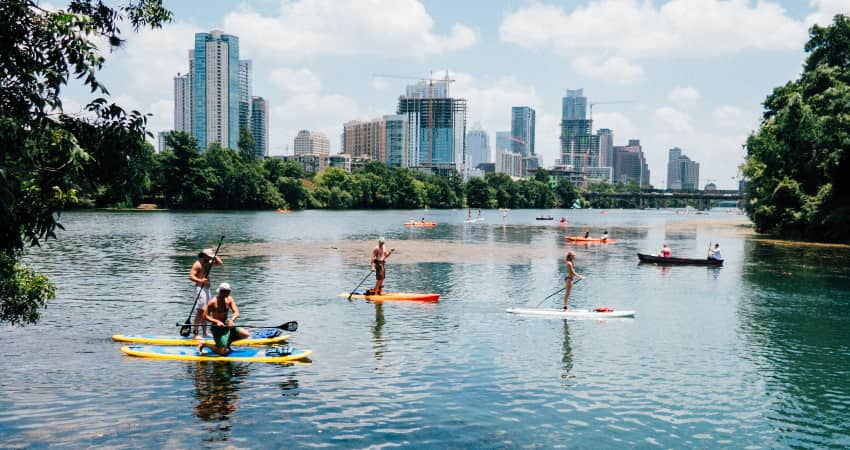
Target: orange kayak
[413,223]
[395,296]
[584,239]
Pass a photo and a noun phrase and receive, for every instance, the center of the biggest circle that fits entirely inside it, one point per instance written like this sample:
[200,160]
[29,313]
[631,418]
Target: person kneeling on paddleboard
[571,275]
[223,330]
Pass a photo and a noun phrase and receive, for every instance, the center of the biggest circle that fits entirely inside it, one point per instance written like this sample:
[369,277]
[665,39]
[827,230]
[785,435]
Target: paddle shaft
[288,326]
[187,328]
[556,293]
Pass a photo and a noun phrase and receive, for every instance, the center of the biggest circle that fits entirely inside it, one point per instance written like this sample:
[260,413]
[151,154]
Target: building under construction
[437,128]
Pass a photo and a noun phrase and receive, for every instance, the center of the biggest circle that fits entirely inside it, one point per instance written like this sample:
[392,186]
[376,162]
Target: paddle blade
[289,326]
[185,330]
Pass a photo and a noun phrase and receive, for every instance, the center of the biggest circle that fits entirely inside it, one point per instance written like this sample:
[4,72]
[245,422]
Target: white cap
[381,239]
[223,287]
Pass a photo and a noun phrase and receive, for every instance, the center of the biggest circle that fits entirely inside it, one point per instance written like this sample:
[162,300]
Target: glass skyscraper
[245,98]
[522,130]
[477,147]
[437,131]
[260,126]
[215,89]
[579,147]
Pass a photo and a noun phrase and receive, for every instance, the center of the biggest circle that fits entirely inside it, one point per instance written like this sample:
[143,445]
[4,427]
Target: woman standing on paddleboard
[571,275]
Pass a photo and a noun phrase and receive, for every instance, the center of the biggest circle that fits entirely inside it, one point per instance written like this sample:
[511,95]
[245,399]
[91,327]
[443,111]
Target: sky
[672,73]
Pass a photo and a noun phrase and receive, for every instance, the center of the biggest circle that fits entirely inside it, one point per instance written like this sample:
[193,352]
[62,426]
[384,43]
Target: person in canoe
[665,252]
[571,275]
[604,236]
[378,265]
[587,234]
[563,220]
[223,330]
[715,252]
[199,275]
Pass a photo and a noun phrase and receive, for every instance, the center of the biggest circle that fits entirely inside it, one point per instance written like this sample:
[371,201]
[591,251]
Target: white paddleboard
[573,313]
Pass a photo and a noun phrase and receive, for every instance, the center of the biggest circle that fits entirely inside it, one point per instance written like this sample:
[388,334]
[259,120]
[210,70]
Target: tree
[247,144]
[565,193]
[798,159]
[46,150]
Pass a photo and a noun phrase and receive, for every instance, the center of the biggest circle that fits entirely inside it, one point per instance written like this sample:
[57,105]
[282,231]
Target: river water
[754,354]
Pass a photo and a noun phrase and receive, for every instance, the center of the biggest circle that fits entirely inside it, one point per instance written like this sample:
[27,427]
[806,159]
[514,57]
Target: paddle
[367,276]
[187,327]
[556,293]
[288,326]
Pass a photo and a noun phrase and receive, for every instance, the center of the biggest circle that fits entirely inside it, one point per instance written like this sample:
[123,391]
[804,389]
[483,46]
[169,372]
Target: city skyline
[699,86]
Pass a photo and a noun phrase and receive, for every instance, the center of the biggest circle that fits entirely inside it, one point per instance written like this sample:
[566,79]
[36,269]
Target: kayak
[584,239]
[679,261]
[544,218]
[573,313]
[399,296]
[187,353]
[180,340]
[420,224]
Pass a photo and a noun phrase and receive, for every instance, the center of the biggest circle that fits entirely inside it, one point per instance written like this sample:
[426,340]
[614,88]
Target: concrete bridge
[660,198]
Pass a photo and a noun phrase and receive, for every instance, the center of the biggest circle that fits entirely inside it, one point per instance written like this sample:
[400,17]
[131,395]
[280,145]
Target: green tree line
[798,160]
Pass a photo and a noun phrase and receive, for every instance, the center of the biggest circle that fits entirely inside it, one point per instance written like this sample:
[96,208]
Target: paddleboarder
[199,275]
[378,265]
[223,330]
[571,275]
[604,237]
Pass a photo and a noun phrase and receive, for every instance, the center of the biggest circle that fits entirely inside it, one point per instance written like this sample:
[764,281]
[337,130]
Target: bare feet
[200,348]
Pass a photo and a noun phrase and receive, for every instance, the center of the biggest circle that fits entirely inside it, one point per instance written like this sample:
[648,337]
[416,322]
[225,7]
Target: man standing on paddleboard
[571,275]
[224,333]
[378,265]
[199,275]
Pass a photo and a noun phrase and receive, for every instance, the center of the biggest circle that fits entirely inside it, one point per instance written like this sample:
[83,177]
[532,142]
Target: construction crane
[614,102]
[430,81]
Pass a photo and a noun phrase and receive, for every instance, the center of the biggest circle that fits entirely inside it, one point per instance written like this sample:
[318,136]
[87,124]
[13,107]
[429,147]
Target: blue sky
[694,71]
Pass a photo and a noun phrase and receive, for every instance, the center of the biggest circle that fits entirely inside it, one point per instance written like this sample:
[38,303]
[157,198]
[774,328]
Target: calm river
[753,355]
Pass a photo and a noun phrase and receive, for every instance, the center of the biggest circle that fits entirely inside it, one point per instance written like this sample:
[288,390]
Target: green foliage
[246,144]
[565,193]
[48,155]
[795,161]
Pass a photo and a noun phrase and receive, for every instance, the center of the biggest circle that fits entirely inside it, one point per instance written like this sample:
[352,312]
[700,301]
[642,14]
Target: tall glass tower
[522,130]
[245,94]
[215,89]
[260,126]
[579,147]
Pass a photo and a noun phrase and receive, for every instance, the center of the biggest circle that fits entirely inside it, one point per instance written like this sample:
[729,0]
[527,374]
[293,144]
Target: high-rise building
[215,89]
[397,138]
[245,97]
[260,126]
[579,147]
[503,140]
[365,139]
[682,172]
[477,146]
[630,164]
[162,141]
[606,147]
[509,163]
[436,127]
[312,143]
[522,130]
[183,103]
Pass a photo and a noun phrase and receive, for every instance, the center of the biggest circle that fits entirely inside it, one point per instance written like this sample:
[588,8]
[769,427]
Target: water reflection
[567,354]
[377,331]
[217,393]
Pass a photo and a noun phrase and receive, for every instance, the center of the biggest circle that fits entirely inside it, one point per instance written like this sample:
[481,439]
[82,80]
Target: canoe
[584,239]
[573,313]
[679,261]
[395,296]
[544,218]
[413,223]
[180,340]
[247,354]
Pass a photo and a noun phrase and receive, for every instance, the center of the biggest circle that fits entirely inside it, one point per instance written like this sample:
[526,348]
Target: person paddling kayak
[378,265]
[223,330]
[198,274]
[571,275]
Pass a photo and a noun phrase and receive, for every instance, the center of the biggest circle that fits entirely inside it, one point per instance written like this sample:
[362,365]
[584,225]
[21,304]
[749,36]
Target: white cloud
[735,118]
[380,84]
[620,124]
[614,69]
[305,28]
[826,10]
[676,28]
[310,111]
[675,120]
[151,58]
[295,80]
[684,96]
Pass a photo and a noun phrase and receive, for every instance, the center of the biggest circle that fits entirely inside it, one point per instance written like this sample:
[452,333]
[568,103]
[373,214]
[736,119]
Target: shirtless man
[224,333]
[379,257]
[199,273]
[571,275]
